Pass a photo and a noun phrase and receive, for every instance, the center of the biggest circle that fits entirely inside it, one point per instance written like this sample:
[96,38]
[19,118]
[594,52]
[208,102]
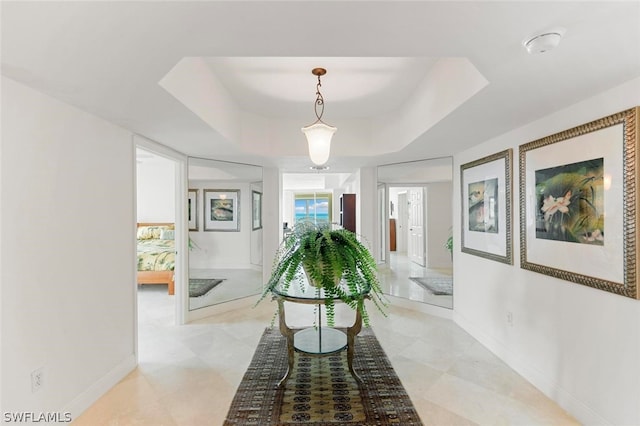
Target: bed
[156,254]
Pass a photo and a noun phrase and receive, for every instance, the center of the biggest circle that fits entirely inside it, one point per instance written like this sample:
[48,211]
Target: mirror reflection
[224,212]
[415,202]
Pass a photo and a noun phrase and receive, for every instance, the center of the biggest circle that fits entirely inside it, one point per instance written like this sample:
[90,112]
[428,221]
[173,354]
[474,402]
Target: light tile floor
[238,283]
[187,375]
[395,281]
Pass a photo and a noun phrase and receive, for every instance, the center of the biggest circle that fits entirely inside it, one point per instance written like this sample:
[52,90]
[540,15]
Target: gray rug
[439,285]
[201,286]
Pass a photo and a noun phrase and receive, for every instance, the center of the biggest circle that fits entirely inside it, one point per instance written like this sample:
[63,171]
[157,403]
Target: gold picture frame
[578,204]
[487,207]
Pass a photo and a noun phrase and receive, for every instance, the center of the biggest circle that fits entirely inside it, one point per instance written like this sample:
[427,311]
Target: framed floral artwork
[222,210]
[578,207]
[486,207]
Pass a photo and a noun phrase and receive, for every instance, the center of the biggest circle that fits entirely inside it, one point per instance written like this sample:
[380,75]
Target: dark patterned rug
[201,286]
[320,390]
[439,285]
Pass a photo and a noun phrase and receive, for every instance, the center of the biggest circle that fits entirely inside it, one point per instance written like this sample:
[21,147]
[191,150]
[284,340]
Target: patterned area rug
[320,390]
[437,284]
[201,286]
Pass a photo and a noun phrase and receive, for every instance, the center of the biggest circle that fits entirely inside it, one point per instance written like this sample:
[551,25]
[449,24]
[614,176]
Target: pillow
[151,232]
[145,232]
[167,234]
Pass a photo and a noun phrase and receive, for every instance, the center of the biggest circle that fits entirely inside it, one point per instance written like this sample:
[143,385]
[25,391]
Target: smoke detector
[544,41]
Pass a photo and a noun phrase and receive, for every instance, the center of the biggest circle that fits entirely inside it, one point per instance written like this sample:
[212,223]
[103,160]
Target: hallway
[187,375]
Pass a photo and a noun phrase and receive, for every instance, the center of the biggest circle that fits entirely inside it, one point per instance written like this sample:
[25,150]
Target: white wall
[2,180]
[393,198]
[271,217]
[438,220]
[367,219]
[156,190]
[579,345]
[68,253]
[222,249]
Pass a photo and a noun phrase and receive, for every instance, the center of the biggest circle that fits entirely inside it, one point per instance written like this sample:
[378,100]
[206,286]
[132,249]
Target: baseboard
[547,385]
[97,389]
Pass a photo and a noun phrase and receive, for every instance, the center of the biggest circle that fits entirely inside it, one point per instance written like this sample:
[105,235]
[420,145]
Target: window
[313,207]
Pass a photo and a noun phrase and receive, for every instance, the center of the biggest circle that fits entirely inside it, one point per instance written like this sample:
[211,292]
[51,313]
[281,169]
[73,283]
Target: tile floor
[238,283]
[395,281]
[187,375]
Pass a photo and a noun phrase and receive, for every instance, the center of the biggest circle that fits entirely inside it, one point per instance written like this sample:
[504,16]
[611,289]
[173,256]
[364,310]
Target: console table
[316,341]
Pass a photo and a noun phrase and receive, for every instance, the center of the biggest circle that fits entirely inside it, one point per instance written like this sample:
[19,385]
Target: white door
[416,226]
[402,224]
[383,221]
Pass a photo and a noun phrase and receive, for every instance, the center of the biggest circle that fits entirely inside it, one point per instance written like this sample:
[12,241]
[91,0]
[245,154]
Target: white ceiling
[353,87]
[398,83]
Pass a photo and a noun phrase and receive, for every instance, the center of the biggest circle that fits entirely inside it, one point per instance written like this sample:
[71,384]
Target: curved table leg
[288,333]
[351,334]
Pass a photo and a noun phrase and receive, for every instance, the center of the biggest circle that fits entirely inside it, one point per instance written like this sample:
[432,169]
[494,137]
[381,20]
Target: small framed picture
[486,207]
[578,208]
[222,210]
[192,209]
[256,215]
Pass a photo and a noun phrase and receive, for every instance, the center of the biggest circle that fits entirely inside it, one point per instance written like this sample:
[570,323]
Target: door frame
[388,186]
[181,234]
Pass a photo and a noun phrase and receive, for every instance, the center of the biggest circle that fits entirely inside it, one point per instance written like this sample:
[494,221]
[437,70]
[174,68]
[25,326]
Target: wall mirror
[224,213]
[415,207]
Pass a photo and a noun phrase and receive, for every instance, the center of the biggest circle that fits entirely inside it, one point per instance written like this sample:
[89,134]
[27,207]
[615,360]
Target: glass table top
[300,288]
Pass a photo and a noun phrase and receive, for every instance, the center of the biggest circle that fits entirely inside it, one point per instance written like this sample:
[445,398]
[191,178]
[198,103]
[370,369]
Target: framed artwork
[222,210]
[486,207]
[192,209]
[256,211]
[578,209]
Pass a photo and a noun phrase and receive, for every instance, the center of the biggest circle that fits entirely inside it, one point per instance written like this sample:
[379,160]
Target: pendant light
[319,134]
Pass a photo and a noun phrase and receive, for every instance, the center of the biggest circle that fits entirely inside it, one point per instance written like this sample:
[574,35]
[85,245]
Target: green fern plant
[332,259]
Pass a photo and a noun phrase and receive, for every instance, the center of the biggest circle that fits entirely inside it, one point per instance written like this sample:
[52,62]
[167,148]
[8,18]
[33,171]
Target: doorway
[157,189]
[418,220]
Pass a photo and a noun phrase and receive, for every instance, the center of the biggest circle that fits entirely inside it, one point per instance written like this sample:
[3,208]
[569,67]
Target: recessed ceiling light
[544,42]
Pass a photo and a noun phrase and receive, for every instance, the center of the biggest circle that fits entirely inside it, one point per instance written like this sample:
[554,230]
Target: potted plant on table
[334,260]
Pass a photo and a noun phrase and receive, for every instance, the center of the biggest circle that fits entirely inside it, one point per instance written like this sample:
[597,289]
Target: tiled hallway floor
[187,375]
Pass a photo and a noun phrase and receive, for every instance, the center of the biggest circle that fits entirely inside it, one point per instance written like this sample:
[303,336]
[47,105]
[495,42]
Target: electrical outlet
[510,318]
[37,379]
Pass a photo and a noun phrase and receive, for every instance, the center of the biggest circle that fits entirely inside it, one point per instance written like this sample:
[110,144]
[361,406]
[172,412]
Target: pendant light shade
[319,134]
[319,138]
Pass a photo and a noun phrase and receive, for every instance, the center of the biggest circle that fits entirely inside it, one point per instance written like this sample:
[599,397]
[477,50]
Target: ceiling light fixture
[319,134]
[544,42]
